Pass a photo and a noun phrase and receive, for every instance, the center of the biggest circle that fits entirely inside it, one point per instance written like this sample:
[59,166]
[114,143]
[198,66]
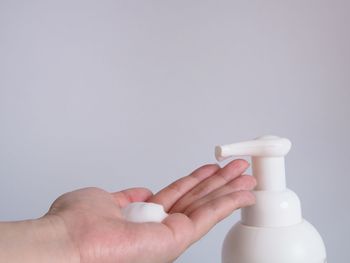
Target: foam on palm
[142,212]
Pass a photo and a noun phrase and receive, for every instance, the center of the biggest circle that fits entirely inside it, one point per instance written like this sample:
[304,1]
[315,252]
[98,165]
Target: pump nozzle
[264,146]
[267,154]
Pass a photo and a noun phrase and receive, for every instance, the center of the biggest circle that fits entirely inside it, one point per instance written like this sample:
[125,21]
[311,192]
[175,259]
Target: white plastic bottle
[272,230]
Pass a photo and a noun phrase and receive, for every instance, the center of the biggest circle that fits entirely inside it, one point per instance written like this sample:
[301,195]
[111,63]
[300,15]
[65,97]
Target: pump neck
[269,173]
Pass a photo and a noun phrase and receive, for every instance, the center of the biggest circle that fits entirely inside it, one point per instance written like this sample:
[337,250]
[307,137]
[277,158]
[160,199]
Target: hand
[97,232]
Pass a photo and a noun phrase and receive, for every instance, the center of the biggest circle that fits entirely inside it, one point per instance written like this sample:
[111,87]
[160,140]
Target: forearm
[40,241]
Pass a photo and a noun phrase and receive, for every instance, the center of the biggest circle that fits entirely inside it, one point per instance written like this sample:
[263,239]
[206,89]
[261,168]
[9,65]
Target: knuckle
[176,187]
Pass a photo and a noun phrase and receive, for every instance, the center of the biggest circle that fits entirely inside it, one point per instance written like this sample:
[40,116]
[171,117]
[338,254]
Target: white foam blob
[142,212]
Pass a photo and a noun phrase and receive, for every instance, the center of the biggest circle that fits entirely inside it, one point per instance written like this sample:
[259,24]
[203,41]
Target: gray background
[117,94]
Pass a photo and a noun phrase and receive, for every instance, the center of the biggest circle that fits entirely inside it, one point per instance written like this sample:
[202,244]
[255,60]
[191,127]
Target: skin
[86,225]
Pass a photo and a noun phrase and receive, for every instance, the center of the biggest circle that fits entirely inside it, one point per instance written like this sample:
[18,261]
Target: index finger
[170,194]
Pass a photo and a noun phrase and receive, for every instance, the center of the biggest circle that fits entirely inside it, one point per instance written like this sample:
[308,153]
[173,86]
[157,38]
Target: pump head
[267,154]
[264,146]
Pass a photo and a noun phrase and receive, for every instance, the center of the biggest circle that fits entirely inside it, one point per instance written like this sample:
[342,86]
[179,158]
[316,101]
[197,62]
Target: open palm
[195,203]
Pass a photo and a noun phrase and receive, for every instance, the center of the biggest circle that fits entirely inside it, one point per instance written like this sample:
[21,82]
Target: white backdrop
[117,94]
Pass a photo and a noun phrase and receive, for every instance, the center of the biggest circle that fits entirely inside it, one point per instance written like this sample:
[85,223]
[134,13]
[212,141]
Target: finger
[131,195]
[170,194]
[208,215]
[222,177]
[241,183]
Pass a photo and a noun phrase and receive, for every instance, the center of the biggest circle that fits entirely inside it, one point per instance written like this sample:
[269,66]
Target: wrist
[41,240]
[53,235]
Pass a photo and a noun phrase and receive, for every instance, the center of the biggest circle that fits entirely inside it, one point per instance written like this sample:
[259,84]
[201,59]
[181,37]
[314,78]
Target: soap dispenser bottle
[272,230]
